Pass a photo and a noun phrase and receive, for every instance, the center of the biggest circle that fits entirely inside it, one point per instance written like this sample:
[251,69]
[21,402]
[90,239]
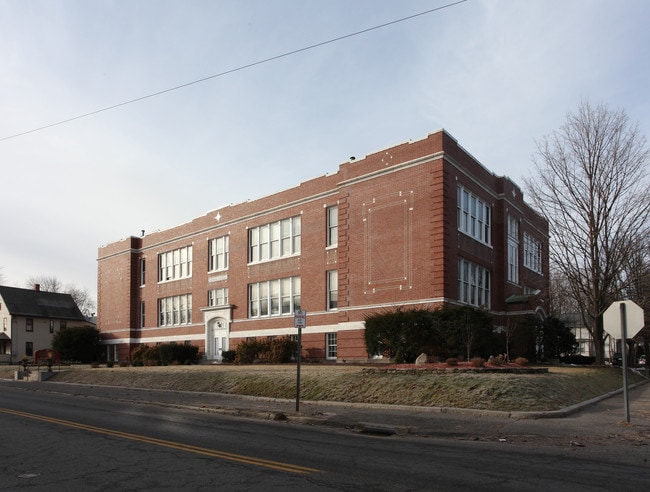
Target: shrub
[81,343]
[521,361]
[174,353]
[282,350]
[228,356]
[251,350]
[579,360]
[109,363]
[477,362]
[499,360]
[452,361]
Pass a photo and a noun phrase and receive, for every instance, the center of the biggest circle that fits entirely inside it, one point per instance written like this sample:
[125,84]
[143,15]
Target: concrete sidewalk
[601,421]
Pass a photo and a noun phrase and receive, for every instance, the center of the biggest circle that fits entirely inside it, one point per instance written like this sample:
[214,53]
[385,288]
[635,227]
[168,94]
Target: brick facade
[399,244]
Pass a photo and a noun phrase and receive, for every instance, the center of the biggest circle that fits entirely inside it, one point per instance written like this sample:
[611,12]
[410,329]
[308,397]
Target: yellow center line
[249,460]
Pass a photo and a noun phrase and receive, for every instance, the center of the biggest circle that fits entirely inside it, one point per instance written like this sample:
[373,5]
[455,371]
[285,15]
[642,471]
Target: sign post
[623,320]
[299,321]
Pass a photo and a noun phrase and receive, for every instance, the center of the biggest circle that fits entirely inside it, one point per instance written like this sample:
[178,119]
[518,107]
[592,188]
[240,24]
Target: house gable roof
[39,304]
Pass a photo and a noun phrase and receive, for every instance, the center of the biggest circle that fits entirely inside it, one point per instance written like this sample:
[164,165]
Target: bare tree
[47,283]
[591,184]
[82,298]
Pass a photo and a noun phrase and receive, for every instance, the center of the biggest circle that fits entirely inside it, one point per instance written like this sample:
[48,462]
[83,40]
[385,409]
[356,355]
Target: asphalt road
[70,441]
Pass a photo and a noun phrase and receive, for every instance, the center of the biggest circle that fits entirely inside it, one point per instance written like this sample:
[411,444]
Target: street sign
[300,318]
[299,321]
[623,320]
[612,319]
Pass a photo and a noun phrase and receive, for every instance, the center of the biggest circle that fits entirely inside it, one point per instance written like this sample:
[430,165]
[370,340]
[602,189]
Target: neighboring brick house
[417,225]
[30,318]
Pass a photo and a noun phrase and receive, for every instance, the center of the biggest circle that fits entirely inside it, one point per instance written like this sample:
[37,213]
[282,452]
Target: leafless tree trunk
[591,184]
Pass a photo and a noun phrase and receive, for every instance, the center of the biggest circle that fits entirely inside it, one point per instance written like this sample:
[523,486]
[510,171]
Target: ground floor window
[331,345]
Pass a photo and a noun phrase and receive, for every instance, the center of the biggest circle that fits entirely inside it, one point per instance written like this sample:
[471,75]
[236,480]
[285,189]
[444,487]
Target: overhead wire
[232,70]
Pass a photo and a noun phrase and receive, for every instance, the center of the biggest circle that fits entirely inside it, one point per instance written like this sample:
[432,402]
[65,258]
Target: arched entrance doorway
[217,334]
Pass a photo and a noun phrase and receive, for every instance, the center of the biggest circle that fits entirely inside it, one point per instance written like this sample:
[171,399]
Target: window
[142,314]
[142,270]
[218,297]
[473,284]
[332,226]
[63,325]
[176,310]
[513,261]
[218,253]
[51,326]
[513,249]
[274,240]
[175,264]
[330,342]
[473,215]
[29,349]
[4,324]
[332,289]
[29,324]
[532,253]
[274,297]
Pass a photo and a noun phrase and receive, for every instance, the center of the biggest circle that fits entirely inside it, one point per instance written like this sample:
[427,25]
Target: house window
[175,264]
[29,349]
[4,324]
[29,324]
[473,284]
[142,314]
[142,270]
[332,289]
[532,253]
[218,253]
[331,349]
[175,310]
[473,215]
[274,240]
[332,226]
[51,326]
[274,297]
[218,297]
[63,325]
[513,249]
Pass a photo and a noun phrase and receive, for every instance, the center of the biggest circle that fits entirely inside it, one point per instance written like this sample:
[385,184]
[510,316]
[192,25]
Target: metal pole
[624,361]
[298,357]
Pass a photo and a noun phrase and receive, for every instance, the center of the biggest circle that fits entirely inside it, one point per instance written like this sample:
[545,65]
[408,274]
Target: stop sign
[612,319]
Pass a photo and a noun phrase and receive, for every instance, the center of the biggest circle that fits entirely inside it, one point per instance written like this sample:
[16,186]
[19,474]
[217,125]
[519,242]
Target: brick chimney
[37,287]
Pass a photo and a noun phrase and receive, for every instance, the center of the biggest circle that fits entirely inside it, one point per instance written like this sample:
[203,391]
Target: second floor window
[473,284]
[218,253]
[29,324]
[175,264]
[332,289]
[274,240]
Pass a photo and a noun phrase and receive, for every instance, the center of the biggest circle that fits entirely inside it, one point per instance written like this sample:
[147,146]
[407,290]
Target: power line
[232,70]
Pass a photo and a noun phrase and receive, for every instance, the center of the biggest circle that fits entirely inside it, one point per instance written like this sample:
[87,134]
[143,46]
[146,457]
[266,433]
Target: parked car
[617,359]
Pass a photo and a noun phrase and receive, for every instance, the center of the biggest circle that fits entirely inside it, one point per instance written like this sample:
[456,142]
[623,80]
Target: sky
[498,75]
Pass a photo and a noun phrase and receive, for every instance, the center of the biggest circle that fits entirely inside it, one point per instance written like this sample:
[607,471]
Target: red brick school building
[416,225]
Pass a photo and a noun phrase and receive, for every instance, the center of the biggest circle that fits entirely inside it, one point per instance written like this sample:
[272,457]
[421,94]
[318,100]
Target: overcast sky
[497,74]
